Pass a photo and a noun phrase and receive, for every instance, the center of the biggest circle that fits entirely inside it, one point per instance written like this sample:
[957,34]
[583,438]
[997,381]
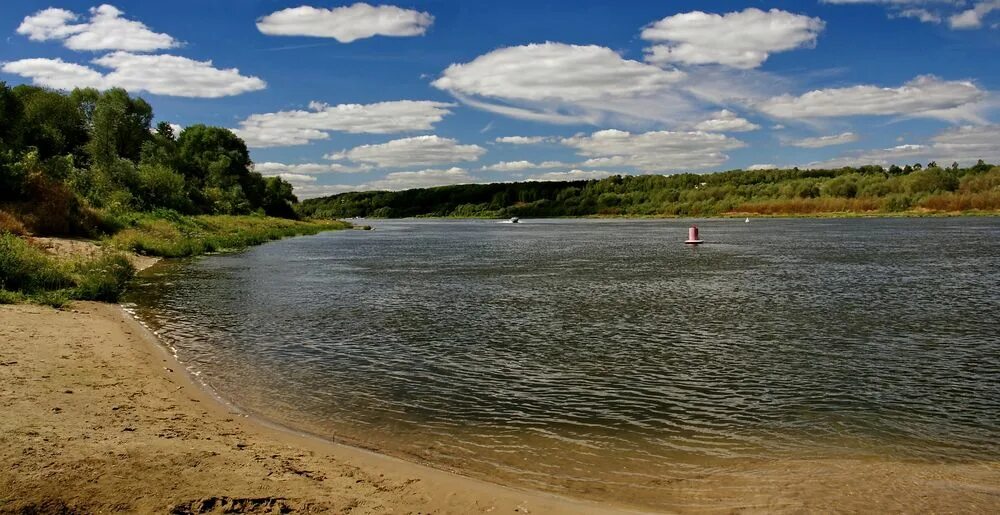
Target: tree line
[67,158]
[866,189]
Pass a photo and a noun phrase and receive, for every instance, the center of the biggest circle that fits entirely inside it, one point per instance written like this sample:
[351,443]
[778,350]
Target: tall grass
[172,235]
[29,275]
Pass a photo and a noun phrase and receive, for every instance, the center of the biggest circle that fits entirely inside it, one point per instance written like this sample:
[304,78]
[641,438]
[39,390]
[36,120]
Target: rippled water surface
[587,356]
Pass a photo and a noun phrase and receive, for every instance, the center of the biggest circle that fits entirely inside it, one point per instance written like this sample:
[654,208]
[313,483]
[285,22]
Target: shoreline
[109,420]
[727,216]
[129,429]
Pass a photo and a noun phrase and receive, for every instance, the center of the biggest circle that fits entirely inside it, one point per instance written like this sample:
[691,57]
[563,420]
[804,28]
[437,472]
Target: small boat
[515,220]
[746,221]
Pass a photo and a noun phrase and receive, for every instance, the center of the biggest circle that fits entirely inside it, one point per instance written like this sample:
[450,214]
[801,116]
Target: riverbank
[55,270]
[99,418]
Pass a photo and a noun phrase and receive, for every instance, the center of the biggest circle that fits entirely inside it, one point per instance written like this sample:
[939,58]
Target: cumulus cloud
[287,128]
[764,166]
[925,95]
[973,18]
[510,166]
[653,151]
[157,74]
[310,169]
[957,13]
[105,30]
[742,39]
[346,24]
[417,151]
[726,121]
[561,83]
[522,140]
[422,179]
[824,141]
[964,145]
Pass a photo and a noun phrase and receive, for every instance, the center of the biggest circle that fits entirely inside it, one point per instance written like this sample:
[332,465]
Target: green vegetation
[28,274]
[86,163]
[866,190]
[167,234]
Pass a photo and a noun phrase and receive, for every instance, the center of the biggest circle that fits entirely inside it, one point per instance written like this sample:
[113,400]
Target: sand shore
[98,417]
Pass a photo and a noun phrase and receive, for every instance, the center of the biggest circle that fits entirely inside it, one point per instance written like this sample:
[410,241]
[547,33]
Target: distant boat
[515,220]
[746,221]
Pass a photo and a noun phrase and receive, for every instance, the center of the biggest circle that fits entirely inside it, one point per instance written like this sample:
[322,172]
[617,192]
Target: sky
[338,96]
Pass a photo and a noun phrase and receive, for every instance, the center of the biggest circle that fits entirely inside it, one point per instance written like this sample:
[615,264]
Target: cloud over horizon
[346,24]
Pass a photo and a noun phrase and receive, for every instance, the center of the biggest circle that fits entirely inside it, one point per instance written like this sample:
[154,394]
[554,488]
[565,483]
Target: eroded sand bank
[97,417]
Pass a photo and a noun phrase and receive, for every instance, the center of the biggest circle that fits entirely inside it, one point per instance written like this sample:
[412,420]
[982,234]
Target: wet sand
[98,417]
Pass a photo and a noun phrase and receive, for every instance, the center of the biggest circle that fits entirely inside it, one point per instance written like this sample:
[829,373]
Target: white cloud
[273,168]
[422,179]
[522,140]
[417,151]
[571,175]
[964,145]
[509,166]
[743,39]
[920,14]
[312,190]
[957,12]
[925,95]
[824,141]
[106,30]
[561,83]
[286,128]
[973,18]
[346,24]
[653,151]
[56,73]
[157,74]
[295,178]
[766,166]
[726,121]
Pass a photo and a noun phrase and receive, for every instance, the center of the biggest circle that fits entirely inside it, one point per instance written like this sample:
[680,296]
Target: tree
[120,126]
[51,122]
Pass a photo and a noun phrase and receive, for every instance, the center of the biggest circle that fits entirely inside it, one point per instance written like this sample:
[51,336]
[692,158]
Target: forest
[69,159]
[88,164]
[914,189]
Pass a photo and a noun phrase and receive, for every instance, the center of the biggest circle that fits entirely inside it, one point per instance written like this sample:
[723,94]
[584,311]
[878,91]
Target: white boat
[515,220]
[746,221]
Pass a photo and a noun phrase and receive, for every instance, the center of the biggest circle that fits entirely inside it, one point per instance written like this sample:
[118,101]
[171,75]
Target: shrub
[53,298]
[26,269]
[10,297]
[104,278]
[9,223]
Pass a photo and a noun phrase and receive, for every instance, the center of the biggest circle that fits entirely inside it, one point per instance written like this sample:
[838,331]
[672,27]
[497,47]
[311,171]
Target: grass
[29,275]
[173,235]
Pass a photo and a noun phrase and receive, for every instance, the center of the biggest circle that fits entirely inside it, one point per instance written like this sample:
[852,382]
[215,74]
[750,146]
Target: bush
[8,223]
[104,278]
[160,186]
[26,269]
[54,298]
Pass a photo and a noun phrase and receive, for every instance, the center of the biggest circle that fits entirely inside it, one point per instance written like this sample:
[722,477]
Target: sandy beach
[100,418]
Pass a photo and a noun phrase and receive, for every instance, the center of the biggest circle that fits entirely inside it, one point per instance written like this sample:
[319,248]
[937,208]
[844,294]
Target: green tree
[120,126]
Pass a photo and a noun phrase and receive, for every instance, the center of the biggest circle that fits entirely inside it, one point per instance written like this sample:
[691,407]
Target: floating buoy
[693,236]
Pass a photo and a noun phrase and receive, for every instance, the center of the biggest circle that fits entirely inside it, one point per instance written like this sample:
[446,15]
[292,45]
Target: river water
[605,357]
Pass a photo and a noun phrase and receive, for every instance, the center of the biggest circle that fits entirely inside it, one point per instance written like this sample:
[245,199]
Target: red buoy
[693,236]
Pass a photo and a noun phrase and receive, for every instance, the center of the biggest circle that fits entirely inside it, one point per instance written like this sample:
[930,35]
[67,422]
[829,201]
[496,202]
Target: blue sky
[336,96]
